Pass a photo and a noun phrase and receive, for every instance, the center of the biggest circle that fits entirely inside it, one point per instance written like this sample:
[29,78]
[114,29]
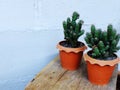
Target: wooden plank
[47,77]
[69,81]
[54,77]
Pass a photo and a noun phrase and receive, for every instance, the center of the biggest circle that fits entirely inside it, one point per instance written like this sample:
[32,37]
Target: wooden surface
[118,72]
[54,77]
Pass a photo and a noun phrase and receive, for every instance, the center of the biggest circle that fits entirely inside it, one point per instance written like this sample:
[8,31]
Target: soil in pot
[68,45]
[105,59]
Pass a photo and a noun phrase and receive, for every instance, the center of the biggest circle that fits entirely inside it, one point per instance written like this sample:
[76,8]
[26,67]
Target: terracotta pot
[70,57]
[100,71]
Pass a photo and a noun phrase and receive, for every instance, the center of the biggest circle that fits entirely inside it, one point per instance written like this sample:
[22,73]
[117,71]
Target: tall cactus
[103,43]
[72,30]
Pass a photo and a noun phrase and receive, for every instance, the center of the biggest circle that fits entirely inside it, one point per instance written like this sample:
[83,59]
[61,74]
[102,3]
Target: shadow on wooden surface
[118,82]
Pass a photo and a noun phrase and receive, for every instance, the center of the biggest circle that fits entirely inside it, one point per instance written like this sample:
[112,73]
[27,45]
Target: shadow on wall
[24,54]
[18,81]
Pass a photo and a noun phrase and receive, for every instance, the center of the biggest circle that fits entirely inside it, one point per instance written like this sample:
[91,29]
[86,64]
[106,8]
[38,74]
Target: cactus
[72,30]
[103,43]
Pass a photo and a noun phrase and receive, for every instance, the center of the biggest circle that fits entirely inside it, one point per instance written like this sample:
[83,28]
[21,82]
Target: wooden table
[54,77]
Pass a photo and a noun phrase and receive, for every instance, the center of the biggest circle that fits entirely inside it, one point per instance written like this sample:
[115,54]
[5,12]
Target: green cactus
[72,30]
[103,43]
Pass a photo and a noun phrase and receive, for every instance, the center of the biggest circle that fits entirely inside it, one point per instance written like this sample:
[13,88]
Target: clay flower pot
[100,71]
[70,57]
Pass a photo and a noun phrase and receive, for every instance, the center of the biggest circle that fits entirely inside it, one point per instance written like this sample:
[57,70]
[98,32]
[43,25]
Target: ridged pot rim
[101,62]
[68,50]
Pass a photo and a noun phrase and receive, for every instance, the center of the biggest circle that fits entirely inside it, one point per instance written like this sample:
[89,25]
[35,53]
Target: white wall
[92,11]
[46,14]
[16,14]
[29,27]
[23,55]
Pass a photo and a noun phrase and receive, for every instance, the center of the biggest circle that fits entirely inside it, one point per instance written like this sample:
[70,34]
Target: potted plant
[70,49]
[101,59]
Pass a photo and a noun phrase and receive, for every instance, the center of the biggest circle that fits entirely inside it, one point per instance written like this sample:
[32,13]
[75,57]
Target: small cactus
[72,30]
[103,43]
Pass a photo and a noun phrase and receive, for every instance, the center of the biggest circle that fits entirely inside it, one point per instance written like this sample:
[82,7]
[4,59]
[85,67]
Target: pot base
[99,75]
[71,57]
[71,60]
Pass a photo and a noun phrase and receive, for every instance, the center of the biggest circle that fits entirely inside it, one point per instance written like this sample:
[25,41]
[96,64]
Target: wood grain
[54,77]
